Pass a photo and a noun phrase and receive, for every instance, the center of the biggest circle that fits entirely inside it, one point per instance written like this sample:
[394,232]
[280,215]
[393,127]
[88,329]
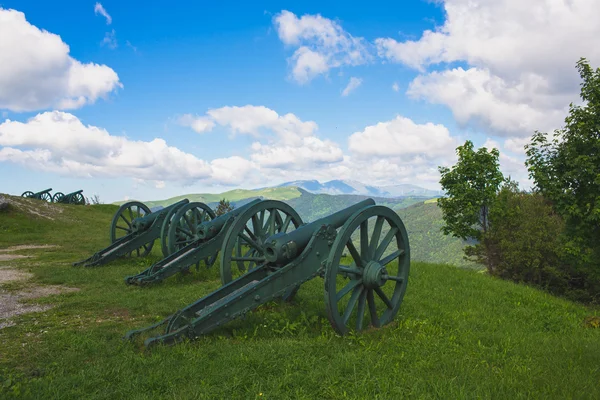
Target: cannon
[239,235]
[71,198]
[365,270]
[134,228]
[43,195]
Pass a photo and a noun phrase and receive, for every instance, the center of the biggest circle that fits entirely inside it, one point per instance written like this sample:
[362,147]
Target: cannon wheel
[58,196]
[181,229]
[243,244]
[46,197]
[369,282]
[77,198]
[27,194]
[121,224]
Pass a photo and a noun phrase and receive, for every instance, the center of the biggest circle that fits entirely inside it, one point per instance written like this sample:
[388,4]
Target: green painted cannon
[369,281]
[239,236]
[71,198]
[134,229]
[43,195]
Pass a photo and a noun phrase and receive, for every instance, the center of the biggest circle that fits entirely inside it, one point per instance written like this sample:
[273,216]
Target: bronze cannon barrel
[142,223]
[282,247]
[210,229]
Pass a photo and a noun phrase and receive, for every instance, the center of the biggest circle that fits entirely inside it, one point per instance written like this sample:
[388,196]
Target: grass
[459,334]
[278,193]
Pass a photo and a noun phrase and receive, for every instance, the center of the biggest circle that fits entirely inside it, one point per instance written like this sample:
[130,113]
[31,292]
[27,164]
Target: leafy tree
[223,207]
[524,240]
[471,187]
[566,170]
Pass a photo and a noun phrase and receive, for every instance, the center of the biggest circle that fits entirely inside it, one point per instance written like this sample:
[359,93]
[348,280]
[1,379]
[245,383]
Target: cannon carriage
[70,198]
[365,270]
[43,195]
[239,236]
[133,230]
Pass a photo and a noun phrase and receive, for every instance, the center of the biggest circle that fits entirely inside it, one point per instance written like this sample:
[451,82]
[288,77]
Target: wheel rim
[58,197]
[367,281]
[121,224]
[183,227]
[27,194]
[46,197]
[243,244]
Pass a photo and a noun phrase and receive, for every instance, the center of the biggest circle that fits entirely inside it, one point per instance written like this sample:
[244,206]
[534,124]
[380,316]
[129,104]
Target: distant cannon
[71,198]
[238,235]
[43,195]
[372,281]
[134,228]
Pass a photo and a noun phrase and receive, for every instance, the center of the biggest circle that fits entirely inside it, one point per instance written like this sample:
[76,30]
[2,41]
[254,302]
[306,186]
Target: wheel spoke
[348,288]
[394,278]
[376,235]
[247,259]
[372,309]
[354,253]
[385,243]
[360,312]
[384,298]
[350,270]
[138,251]
[250,242]
[184,231]
[125,219]
[364,240]
[262,218]
[286,223]
[391,257]
[274,214]
[120,227]
[130,213]
[188,222]
[267,226]
[352,303]
[257,228]
[250,233]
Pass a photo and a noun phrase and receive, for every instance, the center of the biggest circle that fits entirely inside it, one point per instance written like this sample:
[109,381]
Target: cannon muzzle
[209,229]
[283,247]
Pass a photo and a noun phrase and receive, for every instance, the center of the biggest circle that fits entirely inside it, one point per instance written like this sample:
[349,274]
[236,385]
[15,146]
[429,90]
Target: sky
[148,100]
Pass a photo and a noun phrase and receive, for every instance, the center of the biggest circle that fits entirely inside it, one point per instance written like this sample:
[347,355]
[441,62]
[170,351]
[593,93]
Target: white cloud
[99,9]
[198,124]
[522,57]
[159,184]
[110,40]
[41,74]
[59,142]
[395,87]
[516,145]
[401,137]
[321,44]
[352,84]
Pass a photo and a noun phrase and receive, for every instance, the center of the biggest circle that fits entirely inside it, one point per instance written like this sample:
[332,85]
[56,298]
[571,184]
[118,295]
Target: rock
[3,203]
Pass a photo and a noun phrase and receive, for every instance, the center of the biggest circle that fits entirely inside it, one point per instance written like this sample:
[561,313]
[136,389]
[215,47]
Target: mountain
[338,186]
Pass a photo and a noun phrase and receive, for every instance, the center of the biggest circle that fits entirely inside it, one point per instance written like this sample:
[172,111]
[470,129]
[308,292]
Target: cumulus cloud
[522,57]
[352,85]
[41,74]
[401,137]
[321,44]
[99,9]
[59,142]
[395,87]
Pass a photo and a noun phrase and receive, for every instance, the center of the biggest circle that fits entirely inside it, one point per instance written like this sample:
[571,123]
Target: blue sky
[151,100]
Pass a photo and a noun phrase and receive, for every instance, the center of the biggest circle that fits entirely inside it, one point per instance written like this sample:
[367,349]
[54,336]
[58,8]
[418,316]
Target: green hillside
[423,222]
[279,193]
[459,333]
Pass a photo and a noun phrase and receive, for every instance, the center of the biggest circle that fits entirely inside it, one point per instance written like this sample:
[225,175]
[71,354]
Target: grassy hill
[279,193]
[459,333]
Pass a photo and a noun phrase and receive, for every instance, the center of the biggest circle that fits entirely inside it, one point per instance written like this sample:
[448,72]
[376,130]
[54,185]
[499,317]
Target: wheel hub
[373,275]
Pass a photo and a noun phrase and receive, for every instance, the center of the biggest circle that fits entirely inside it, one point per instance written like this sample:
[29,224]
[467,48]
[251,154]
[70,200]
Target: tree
[565,168]
[471,187]
[223,207]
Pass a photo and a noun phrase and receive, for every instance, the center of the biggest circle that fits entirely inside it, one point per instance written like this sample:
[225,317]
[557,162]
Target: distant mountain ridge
[338,186]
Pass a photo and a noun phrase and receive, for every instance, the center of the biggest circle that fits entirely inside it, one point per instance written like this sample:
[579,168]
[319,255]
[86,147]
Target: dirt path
[11,303]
